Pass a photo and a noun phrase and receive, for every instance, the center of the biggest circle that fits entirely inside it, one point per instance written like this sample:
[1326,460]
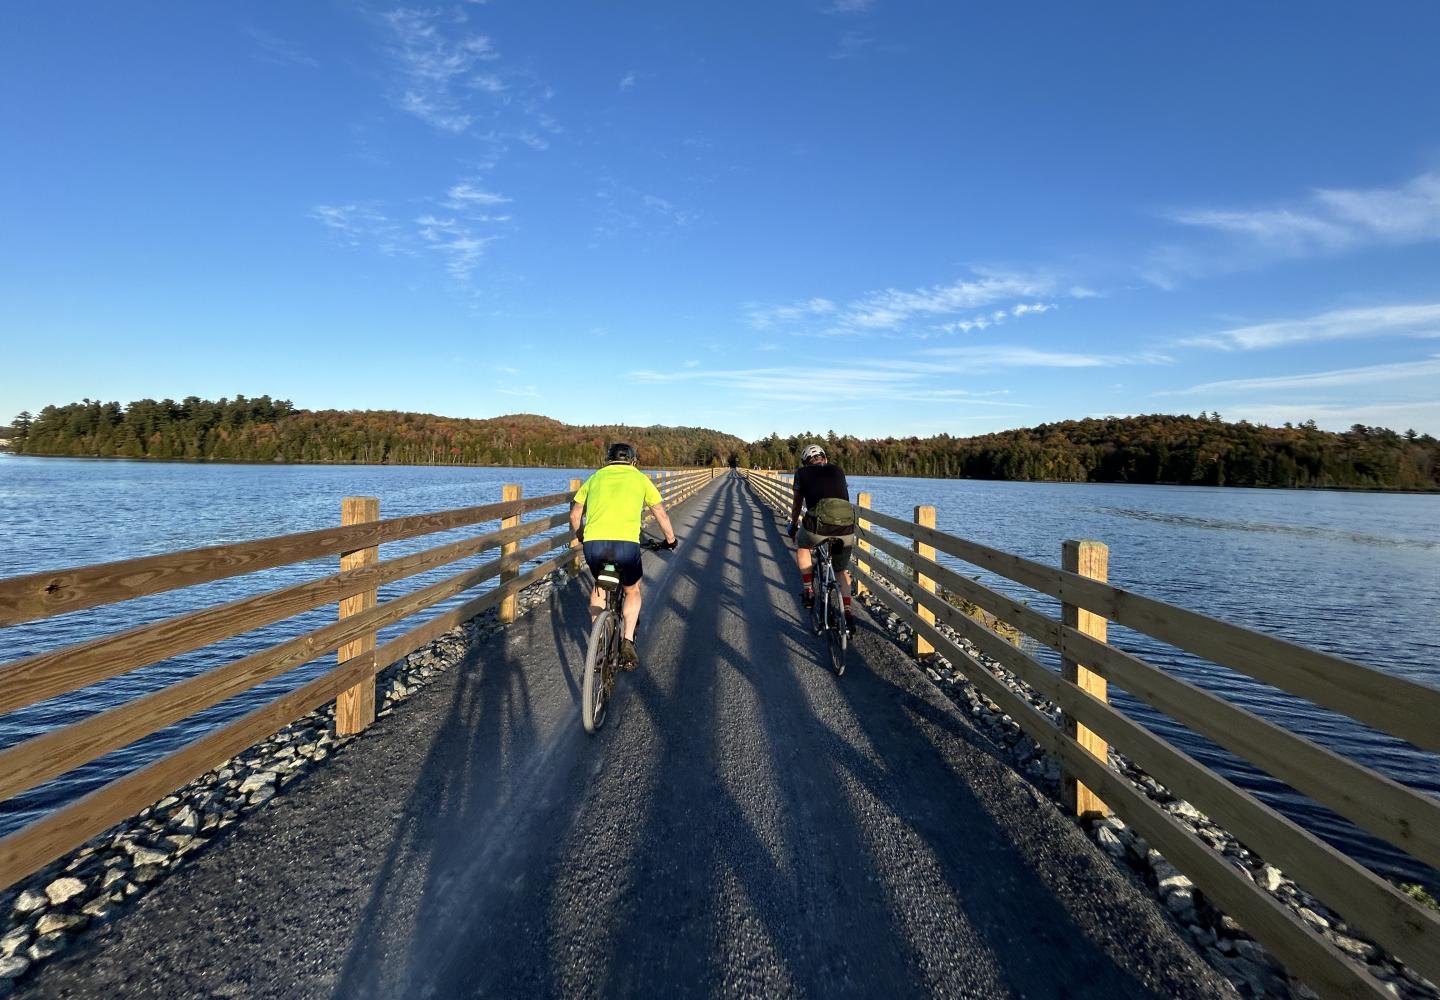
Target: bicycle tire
[839,634]
[592,686]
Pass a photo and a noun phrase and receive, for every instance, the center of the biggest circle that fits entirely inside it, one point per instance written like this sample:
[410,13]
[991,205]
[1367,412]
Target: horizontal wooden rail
[1284,933]
[50,837]
[1406,818]
[43,757]
[43,595]
[46,675]
[1372,904]
[1390,704]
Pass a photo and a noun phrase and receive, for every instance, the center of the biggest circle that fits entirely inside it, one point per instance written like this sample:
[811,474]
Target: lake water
[1353,574]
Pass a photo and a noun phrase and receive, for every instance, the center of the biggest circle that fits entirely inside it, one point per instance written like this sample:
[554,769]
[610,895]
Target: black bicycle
[827,614]
[602,655]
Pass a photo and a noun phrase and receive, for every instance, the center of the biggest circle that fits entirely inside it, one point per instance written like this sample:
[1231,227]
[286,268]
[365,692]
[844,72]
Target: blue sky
[862,215]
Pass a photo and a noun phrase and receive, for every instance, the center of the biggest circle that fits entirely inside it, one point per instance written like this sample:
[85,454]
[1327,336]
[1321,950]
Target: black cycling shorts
[624,555]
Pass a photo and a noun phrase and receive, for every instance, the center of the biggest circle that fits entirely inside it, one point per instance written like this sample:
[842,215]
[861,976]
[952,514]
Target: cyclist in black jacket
[818,480]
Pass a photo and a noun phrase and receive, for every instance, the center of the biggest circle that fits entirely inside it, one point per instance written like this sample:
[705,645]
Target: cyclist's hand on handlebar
[671,543]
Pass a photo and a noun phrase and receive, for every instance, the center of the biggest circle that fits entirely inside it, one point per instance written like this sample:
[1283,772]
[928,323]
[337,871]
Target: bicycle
[602,654]
[827,614]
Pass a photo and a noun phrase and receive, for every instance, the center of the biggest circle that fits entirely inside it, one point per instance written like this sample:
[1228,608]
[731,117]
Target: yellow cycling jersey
[615,497]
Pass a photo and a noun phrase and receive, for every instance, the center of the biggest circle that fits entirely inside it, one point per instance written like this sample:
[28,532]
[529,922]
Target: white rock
[143,873]
[1363,950]
[54,921]
[1173,882]
[1109,842]
[1181,902]
[30,900]
[1184,810]
[185,821]
[14,940]
[62,890]
[13,966]
[257,781]
[149,856]
[1271,878]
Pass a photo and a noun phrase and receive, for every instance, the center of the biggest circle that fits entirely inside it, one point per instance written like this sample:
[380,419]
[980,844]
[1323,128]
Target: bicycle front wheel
[839,634]
[592,687]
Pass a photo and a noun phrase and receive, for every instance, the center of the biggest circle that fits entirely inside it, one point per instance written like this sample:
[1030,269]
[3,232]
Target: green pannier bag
[831,516]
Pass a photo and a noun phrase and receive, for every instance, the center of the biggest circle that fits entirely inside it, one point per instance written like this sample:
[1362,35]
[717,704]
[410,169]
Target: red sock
[807,579]
[847,604]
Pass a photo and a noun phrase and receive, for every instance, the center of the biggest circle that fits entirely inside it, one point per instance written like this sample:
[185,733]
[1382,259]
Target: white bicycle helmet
[811,451]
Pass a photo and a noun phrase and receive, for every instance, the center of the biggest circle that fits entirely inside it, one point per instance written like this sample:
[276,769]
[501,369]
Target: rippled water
[1353,574]
[1349,573]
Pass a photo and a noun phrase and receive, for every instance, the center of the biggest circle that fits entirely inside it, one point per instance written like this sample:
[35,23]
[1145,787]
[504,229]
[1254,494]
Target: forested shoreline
[1172,449]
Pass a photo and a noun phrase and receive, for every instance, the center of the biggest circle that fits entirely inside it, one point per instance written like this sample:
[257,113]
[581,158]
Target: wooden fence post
[925,517]
[575,542]
[506,613]
[355,707]
[1090,559]
[862,500]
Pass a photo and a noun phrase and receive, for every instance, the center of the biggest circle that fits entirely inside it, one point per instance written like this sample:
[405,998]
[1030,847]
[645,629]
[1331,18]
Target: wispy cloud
[1386,374]
[987,358]
[436,68]
[280,51]
[764,317]
[1412,320]
[356,225]
[466,197]
[626,209]
[1325,221]
[627,82]
[892,310]
[525,391]
[849,6]
[455,242]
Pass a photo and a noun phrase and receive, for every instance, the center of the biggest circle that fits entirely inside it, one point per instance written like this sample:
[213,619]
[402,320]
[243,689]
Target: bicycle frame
[828,621]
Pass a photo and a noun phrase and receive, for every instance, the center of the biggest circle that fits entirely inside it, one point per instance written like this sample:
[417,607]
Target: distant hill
[1202,450]
[267,430]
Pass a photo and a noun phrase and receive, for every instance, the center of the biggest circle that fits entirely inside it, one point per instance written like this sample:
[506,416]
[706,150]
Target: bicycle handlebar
[656,544]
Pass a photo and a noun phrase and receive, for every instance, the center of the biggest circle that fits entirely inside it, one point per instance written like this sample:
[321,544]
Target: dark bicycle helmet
[621,452]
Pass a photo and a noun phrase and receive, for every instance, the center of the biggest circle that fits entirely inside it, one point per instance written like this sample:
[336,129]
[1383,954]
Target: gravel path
[746,824]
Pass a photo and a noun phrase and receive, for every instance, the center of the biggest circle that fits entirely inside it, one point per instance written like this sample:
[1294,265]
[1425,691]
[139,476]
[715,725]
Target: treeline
[1202,450]
[262,429]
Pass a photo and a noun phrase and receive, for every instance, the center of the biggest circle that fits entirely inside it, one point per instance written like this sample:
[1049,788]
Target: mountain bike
[602,655]
[827,614]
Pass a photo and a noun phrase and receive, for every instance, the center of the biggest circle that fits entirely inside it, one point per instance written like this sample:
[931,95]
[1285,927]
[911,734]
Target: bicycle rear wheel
[597,655]
[839,634]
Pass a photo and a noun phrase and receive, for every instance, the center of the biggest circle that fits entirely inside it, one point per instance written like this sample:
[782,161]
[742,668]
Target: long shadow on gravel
[904,753]
[488,749]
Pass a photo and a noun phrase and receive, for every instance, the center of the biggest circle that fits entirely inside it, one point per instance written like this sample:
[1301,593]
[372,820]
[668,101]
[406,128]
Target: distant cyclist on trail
[611,503]
[821,490]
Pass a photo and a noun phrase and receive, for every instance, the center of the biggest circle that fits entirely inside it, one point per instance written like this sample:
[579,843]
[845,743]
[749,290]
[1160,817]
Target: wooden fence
[1402,816]
[351,684]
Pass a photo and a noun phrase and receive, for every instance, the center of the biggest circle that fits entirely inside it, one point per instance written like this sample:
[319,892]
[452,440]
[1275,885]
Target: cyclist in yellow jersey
[612,503]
